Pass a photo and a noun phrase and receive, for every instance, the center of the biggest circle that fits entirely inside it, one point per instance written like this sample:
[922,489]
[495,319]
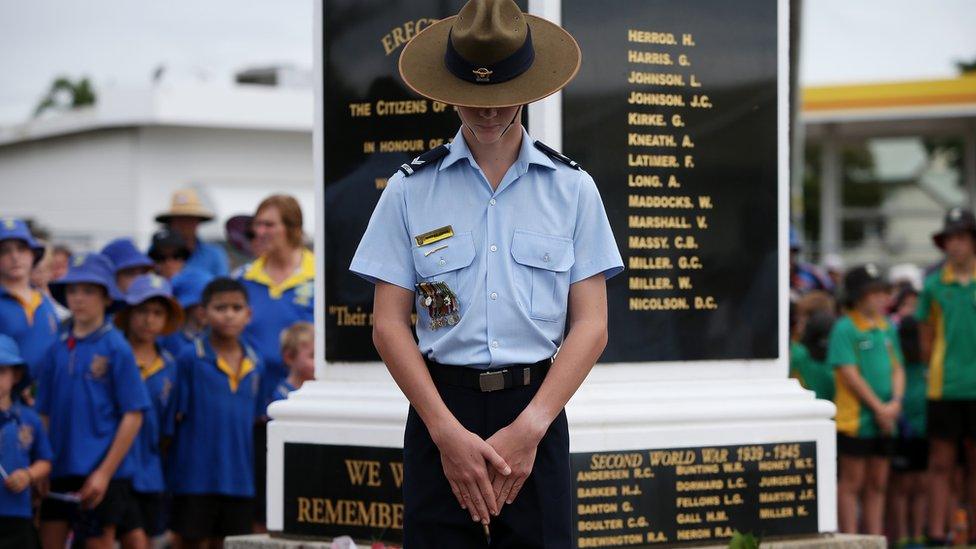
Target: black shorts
[203,516]
[911,455]
[865,447]
[951,419]
[88,522]
[18,533]
[145,512]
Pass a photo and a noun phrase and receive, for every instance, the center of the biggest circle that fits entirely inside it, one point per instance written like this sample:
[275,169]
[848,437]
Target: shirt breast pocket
[548,259]
[443,261]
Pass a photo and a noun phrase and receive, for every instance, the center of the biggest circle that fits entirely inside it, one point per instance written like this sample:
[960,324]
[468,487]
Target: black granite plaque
[372,124]
[343,491]
[674,113]
[694,495]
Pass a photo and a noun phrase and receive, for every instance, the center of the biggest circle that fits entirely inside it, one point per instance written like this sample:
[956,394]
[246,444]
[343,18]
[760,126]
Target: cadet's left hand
[17,481]
[517,444]
[94,489]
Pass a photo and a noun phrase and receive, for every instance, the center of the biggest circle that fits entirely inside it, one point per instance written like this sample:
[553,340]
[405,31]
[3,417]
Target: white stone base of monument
[618,408]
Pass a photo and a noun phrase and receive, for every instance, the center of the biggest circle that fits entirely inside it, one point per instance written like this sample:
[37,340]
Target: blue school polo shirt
[509,255]
[209,258]
[22,442]
[275,307]
[176,342]
[160,380]
[279,393]
[213,447]
[85,387]
[34,325]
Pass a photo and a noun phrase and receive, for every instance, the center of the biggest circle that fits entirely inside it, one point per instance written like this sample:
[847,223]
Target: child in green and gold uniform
[866,356]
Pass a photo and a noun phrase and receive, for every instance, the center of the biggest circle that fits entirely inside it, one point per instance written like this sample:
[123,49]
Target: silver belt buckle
[492,381]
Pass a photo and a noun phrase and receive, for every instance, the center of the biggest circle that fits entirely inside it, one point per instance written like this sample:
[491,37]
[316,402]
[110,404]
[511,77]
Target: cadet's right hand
[466,458]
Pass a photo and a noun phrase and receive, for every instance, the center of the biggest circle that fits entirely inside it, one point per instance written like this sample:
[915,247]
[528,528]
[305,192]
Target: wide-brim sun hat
[186,203]
[16,229]
[240,233]
[144,288]
[490,55]
[90,268]
[122,252]
[957,220]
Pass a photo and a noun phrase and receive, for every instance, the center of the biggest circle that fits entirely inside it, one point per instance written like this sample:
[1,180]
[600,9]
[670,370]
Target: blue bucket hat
[146,287]
[16,229]
[122,252]
[188,286]
[90,268]
[10,358]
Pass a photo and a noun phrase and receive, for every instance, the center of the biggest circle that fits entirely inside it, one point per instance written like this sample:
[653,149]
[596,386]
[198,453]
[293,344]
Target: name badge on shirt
[434,236]
[440,302]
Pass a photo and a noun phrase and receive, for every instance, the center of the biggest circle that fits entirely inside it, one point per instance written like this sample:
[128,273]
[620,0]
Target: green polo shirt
[949,307]
[813,375]
[872,346]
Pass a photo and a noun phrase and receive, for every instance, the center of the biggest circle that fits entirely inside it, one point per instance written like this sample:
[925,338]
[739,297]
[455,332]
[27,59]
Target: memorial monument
[688,429]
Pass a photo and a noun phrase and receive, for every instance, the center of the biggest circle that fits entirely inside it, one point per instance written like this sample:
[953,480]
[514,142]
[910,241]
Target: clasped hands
[485,474]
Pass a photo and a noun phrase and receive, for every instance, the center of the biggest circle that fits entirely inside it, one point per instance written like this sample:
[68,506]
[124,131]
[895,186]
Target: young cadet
[151,312]
[866,357]
[128,260]
[92,398]
[26,314]
[218,401]
[188,290]
[947,324]
[25,453]
[498,240]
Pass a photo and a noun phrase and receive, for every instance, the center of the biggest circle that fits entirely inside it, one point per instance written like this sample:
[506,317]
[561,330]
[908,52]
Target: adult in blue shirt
[186,213]
[502,243]
[26,314]
[280,282]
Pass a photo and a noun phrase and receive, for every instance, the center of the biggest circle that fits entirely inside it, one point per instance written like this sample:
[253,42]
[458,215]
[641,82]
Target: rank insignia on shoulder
[556,155]
[423,160]
[440,302]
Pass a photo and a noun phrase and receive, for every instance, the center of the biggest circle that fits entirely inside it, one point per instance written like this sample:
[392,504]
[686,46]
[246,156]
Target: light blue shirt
[514,253]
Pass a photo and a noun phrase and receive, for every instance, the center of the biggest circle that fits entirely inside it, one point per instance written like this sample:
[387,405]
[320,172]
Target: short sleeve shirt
[160,380]
[950,308]
[23,441]
[85,387]
[34,325]
[209,258]
[871,346]
[514,252]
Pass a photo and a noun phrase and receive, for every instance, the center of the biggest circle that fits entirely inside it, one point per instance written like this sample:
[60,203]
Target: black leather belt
[486,381]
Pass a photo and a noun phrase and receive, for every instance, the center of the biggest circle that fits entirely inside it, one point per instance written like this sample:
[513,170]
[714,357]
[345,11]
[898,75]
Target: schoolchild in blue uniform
[502,244]
[25,453]
[218,401]
[26,314]
[280,282]
[150,312]
[93,399]
[129,262]
[298,354]
[188,290]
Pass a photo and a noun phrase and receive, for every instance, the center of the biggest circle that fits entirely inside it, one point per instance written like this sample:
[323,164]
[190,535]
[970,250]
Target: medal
[440,302]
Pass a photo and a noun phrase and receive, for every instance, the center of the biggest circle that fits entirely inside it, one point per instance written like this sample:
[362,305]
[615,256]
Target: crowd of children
[131,396]
[899,361]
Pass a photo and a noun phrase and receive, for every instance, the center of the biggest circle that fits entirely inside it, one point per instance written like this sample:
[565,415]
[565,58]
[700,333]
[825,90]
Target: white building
[96,173]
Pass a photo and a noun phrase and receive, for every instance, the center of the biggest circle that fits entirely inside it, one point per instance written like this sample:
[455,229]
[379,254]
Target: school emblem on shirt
[25,436]
[98,367]
[303,294]
[440,302]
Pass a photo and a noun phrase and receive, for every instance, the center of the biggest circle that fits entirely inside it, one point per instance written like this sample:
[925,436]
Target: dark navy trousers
[539,517]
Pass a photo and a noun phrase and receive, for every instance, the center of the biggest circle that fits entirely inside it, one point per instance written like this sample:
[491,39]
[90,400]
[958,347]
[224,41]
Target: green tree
[66,94]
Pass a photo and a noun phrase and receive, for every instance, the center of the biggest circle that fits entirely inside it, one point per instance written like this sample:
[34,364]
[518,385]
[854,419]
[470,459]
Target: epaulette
[556,155]
[428,157]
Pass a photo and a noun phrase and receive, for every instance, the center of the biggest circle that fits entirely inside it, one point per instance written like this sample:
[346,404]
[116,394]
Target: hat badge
[78,260]
[156,281]
[9,223]
[871,269]
[955,214]
[482,74]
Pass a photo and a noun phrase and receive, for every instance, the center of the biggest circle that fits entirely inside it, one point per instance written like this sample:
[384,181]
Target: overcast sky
[120,42]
